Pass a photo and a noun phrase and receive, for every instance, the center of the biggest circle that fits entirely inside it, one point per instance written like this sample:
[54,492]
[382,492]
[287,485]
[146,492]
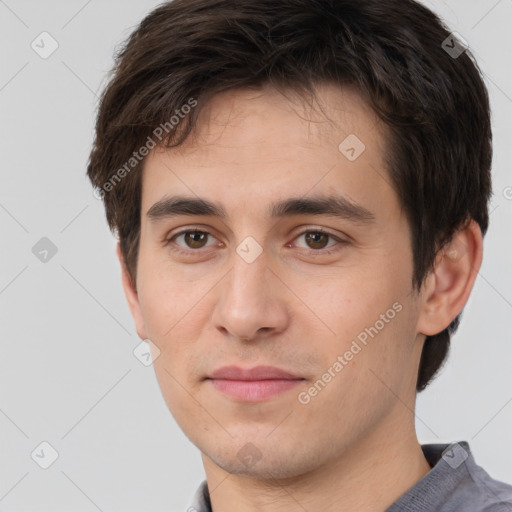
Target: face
[285,278]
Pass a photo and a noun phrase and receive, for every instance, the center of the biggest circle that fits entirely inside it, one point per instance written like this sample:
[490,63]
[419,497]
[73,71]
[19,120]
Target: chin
[270,462]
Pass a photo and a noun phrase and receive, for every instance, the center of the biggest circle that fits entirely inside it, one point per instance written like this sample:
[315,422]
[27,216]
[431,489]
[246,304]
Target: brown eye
[190,241]
[318,242]
[317,239]
[195,239]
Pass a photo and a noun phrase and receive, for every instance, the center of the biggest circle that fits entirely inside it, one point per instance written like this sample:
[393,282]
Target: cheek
[177,390]
[171,316]
[175,315]
[346,304]
[370,322]
[168,301]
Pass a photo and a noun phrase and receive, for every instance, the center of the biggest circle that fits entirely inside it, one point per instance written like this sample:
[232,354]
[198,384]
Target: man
[300,192]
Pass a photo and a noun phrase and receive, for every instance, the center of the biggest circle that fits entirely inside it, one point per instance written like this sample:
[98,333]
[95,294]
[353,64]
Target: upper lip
[256,373]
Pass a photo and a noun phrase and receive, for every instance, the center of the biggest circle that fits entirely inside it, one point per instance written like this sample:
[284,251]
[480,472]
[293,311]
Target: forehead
[251,148]
[247,116]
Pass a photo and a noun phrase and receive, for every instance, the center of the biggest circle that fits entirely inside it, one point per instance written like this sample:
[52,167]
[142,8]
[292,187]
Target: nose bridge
[249,263]
[248,279]
[248,301]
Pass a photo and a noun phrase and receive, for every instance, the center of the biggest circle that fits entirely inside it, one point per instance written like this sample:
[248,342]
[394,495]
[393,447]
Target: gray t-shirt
[454,484]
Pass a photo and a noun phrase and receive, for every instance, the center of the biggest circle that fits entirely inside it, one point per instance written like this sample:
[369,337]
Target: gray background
[67,372]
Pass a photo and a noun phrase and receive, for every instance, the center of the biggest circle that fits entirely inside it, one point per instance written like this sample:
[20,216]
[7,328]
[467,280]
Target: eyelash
[316,252]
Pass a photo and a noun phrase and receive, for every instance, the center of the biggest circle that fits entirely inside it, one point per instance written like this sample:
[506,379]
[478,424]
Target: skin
[354,445]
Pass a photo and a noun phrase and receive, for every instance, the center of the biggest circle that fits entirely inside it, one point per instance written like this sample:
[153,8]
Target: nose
[252,301]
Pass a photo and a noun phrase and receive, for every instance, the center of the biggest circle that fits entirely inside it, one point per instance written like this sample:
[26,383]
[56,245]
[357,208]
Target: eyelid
[187,229]
[169,238]
[317,229]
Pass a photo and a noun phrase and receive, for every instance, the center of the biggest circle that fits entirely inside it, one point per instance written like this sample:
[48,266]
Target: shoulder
[504,506]
[496,496]
[476,490]
[456,483]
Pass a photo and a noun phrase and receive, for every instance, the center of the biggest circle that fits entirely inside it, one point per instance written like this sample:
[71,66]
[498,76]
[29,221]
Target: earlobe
[447,288]
[131,295]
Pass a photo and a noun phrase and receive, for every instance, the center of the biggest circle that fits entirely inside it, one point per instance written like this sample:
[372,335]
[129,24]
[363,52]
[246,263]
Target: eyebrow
[334,206]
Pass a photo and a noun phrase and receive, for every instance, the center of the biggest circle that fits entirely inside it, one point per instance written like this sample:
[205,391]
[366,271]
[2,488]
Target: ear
[446,289]
[131,296]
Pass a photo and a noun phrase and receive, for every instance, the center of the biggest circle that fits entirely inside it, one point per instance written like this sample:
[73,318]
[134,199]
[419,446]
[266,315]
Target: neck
[370,476]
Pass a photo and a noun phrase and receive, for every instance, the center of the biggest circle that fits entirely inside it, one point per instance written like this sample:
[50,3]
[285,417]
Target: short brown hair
[434,103]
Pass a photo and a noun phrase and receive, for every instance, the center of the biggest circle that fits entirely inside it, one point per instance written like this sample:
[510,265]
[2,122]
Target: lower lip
[254,390]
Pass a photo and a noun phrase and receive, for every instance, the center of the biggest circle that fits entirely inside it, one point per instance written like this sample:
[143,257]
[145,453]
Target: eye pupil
[194,237]
[314,237]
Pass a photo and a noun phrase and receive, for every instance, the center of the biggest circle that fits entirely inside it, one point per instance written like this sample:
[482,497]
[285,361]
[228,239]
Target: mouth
[254,384]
